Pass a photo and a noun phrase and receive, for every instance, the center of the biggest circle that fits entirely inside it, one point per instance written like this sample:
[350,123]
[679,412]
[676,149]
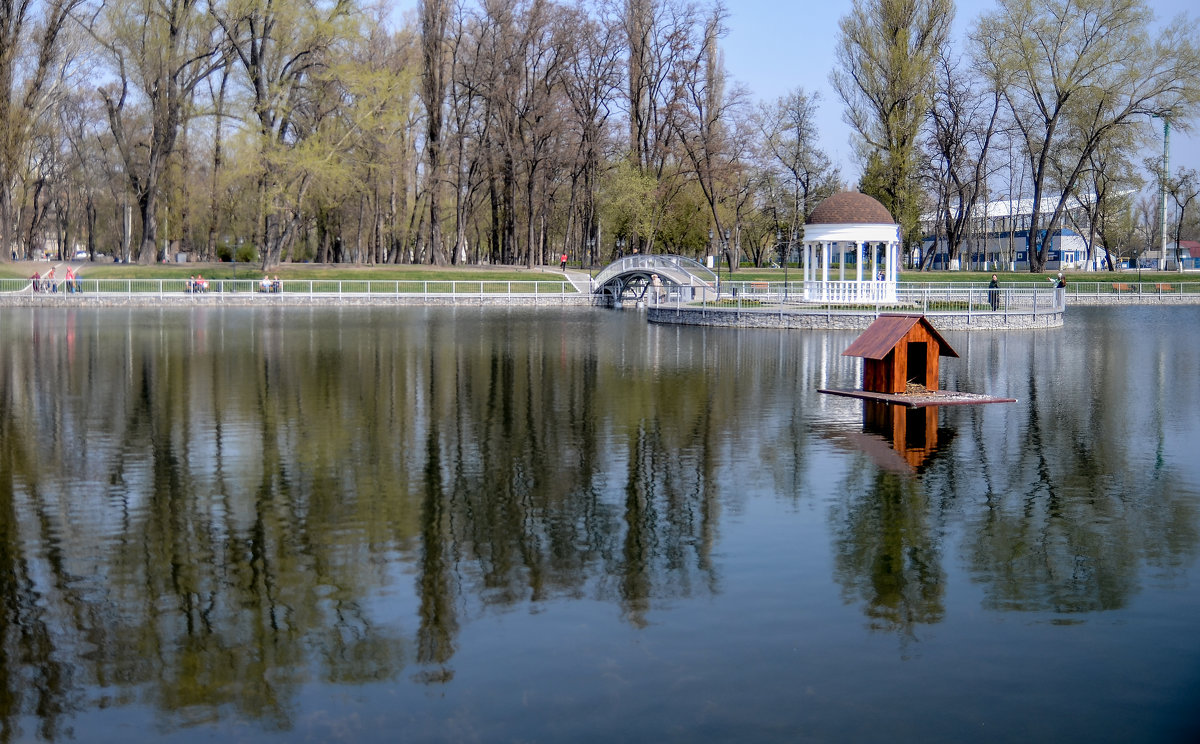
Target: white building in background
[997,238]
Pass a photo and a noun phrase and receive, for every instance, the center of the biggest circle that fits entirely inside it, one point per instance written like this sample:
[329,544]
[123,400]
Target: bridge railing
[661,263]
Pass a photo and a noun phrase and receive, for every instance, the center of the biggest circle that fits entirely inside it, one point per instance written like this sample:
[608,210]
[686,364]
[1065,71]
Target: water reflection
[207,512]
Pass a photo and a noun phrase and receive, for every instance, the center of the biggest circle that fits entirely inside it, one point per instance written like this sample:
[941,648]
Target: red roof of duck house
[888,330]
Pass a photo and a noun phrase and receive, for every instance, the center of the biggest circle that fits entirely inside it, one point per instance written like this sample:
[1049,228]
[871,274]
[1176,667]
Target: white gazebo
[859,231]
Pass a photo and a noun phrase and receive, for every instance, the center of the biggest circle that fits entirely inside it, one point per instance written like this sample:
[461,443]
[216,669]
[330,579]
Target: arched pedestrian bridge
[662,276]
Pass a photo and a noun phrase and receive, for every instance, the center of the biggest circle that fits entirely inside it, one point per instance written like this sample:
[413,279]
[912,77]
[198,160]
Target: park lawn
[404,272]
[215,271]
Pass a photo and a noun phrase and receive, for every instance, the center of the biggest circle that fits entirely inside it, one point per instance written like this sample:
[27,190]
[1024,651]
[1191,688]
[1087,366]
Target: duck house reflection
[912,432]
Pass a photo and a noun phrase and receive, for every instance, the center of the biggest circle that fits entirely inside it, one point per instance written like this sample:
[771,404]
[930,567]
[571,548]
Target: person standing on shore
[994,293]
[1060,290]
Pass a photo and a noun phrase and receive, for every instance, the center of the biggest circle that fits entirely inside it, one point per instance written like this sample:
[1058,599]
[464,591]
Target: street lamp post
[728,256]
[791,244]
[783,258]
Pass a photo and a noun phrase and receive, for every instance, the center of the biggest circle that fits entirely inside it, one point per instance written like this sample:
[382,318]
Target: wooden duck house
[900,365]
[898,350]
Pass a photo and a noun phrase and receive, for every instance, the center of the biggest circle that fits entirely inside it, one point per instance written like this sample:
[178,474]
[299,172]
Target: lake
[463,524]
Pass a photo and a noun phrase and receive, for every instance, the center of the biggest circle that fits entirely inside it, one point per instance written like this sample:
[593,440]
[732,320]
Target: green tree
[886,58]
[1073,71]
[159,53]
[280,48]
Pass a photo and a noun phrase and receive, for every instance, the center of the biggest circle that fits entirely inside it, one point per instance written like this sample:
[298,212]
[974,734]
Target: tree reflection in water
[205,511]
[206,517]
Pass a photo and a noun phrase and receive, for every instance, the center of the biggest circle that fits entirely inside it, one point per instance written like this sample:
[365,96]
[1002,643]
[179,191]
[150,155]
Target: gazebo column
[826,249]
[858,288]
[807,248]
[887,262]
[876,284]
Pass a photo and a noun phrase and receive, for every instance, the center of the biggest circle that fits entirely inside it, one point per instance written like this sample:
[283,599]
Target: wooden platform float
[900,356]
[922,399]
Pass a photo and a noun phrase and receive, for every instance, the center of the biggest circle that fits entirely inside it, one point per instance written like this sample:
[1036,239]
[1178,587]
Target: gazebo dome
[850,208]
[854,228]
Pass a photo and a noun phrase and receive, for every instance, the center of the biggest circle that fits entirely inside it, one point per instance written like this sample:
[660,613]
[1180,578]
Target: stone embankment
[849,321]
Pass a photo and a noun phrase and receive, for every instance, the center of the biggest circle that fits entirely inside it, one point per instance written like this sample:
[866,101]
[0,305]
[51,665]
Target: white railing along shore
[945,298]
[293,287]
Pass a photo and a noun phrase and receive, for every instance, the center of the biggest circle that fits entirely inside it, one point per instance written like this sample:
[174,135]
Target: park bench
[1120,287]
[1163,288]
[759,286]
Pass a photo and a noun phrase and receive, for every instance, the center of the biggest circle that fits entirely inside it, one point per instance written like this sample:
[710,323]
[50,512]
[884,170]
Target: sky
[774,47]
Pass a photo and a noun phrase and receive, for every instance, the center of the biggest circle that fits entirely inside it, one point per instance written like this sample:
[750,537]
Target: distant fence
[1116,292]
[325,288]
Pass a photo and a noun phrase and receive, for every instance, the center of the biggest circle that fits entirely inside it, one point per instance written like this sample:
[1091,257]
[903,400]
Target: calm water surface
[567,525]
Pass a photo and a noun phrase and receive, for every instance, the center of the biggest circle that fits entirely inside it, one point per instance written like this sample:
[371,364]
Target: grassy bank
[25,269]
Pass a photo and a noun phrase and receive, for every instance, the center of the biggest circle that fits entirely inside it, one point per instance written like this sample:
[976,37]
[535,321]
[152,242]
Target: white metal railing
[680,269]
[311,287]
[1131,289]
[947,298]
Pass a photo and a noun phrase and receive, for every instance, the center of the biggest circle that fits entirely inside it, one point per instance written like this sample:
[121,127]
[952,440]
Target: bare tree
[1145,229]
[1104,195]
[80,125]
[159,53]
[660,36]
[1071,73]
[702,128]
[26,89]
[963,120]
[590,84]
[1184,187]
[787,135]
[469,121]
[435,20]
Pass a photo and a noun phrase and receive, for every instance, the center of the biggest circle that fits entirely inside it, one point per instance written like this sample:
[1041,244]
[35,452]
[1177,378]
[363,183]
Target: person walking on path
[563,265]
[994,293]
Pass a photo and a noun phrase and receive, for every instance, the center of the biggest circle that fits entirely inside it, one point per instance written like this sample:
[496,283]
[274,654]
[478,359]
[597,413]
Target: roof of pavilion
[850,208]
